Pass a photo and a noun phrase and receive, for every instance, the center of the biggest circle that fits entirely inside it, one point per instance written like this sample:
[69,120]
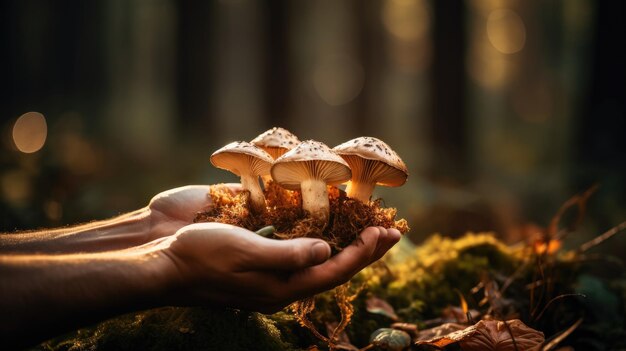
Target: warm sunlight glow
[338,79]
[30,132]
[406,19]
[506,31]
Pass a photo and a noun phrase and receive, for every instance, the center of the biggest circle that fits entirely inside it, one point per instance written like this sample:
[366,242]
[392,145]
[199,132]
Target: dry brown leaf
[342,339]
[512,335]
[484,335]
[444,335]
[377,305]
[453,314]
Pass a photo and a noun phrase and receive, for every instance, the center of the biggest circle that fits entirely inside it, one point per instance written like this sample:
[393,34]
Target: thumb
[289,255]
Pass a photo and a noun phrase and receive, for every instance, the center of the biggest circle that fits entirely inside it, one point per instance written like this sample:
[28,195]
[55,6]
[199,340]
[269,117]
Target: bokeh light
[16,187]
[406,20]
[487,67]
[338,79]
[30,132]
[506,31]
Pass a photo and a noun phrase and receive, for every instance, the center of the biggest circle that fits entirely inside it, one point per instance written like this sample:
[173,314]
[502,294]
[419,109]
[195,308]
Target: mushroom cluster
[300,194]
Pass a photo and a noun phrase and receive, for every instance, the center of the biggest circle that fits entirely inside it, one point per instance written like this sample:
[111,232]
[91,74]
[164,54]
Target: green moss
[427,281]
[177,329]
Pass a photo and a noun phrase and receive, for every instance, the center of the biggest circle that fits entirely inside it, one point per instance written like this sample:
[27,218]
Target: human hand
[220,264]
[166,213]
[175,208]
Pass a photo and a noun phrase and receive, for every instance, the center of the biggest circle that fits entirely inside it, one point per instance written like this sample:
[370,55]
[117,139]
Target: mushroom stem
[315,198]
[266,180]
[257,200]
[360,190]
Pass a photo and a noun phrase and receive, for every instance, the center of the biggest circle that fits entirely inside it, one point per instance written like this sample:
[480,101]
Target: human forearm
[39,292]
[117,233]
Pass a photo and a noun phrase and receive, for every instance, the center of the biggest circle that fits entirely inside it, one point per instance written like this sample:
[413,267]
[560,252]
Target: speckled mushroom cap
[310,159]
[276,141]
[242,157]
[393,171]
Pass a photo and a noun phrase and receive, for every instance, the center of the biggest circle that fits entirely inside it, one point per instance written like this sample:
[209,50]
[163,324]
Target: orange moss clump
[348,217]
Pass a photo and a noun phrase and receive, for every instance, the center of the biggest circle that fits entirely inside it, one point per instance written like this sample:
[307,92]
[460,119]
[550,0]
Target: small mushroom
[310,166]
[248,162]
[373,163]
[390,339]
[276,141]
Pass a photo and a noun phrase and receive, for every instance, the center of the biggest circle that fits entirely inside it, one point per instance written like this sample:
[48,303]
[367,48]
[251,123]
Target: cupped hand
[176,208]
[220,264]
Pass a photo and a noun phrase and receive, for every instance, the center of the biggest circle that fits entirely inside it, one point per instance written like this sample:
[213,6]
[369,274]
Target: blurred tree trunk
[277,63]
[398,94]
[521,99]
[327,72]
[141,44]
[448,124]
[196,61]
[238,100]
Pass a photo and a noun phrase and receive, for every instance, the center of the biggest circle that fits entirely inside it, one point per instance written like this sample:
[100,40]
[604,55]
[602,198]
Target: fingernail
[320,252]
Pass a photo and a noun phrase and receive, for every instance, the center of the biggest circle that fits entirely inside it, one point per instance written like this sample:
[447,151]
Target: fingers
[247,251]
[370,246]
[388,238]
[286,255]
[271,272]
[186,197]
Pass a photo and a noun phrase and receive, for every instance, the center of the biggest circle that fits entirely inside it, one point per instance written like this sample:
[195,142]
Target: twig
[554,299]
[578,199]
[599,239]
[557,339]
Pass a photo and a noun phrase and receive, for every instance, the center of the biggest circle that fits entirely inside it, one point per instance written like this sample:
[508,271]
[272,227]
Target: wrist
[162,280]
[44,289]
[113,234]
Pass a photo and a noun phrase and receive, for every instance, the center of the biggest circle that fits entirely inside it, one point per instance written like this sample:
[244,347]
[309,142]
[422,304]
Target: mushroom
[276,141]
[310,166]
[248,162]
[372,162]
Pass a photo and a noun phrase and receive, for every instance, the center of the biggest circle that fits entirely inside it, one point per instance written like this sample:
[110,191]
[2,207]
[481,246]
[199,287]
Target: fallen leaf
[445,334]
[484,335]
[512,335]
[454,314]
[377,305]
[342,341]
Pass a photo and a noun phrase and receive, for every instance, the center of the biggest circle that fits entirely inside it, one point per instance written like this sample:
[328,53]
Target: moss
[429,279]
[173,328]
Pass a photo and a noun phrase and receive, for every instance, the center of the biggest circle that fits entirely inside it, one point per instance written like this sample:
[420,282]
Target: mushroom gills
[365,175]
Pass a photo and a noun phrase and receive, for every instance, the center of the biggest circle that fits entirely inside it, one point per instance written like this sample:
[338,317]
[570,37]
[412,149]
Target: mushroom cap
[310,159]
[242,157]
[388,170]
[276,138]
